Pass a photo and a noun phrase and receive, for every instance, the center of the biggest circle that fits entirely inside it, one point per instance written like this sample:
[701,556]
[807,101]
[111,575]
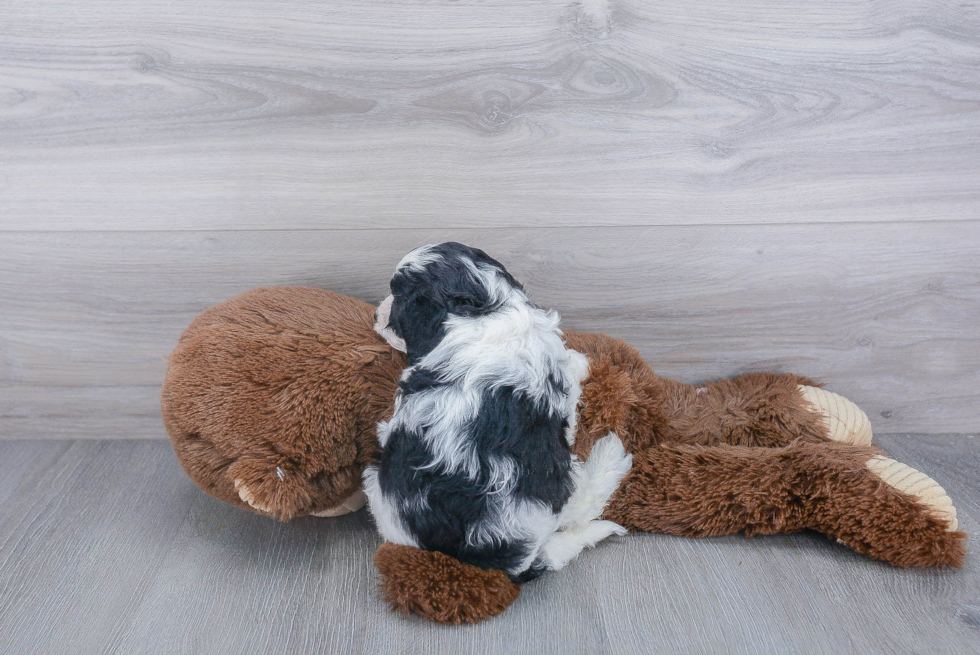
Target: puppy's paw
[564,546]
[596,480]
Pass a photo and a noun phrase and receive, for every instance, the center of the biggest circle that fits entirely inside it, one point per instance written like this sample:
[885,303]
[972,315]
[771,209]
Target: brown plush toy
[272,400]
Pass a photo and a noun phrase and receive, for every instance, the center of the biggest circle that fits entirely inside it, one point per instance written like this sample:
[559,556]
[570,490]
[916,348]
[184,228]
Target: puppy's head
[434,282]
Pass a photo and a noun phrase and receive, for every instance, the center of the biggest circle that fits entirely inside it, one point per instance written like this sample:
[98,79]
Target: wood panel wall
[729,186]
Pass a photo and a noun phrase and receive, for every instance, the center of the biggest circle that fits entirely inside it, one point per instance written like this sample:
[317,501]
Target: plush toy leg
[761,409]
[441,588]
[875,506]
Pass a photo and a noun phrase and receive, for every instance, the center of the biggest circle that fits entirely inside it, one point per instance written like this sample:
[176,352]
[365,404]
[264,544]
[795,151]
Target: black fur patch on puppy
[510,425]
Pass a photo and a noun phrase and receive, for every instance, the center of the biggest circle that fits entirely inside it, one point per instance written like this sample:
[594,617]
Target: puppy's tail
[596,480]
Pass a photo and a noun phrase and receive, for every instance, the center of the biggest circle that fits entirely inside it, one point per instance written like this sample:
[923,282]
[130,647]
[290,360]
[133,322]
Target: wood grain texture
[107,547]
[172,114]
[888,315]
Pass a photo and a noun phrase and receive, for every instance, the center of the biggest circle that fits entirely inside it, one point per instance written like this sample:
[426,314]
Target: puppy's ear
[420,322]
[466,304]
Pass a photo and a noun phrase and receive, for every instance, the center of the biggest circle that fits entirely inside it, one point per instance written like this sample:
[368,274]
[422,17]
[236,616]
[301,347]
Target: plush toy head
[272,400]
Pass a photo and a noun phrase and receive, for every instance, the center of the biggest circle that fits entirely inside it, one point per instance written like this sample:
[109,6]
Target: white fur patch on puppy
[381,315]
[385,514]
[595,482]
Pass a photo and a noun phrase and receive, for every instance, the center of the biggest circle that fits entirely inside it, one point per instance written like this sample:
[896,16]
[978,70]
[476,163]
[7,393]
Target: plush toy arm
[255,477]
[285,492]
[622,394]
[761,409]
[874,505]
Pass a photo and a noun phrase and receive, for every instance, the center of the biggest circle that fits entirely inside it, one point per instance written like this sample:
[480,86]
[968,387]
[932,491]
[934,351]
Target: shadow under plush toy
[272,401]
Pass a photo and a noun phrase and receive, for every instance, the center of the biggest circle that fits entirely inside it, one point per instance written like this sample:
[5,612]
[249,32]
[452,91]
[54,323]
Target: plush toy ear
[441,588]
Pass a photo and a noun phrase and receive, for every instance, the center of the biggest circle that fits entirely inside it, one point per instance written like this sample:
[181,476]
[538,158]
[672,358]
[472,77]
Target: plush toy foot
[844,420]
[248,497]
[441,588]
[926,490]
[352,503]
[892,512]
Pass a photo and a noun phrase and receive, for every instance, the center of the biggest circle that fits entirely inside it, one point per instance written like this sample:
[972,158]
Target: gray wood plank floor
[106,547]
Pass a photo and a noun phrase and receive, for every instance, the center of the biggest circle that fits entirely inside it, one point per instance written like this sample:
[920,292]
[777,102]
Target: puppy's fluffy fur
[475,461]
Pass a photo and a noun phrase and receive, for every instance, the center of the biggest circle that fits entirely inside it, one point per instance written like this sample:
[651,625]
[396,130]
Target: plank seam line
[497,227]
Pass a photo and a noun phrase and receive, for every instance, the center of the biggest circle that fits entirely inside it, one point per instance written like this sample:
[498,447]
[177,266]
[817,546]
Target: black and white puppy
[475,461]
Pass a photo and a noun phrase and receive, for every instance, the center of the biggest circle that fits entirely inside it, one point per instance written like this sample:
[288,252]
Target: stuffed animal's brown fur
[279,391]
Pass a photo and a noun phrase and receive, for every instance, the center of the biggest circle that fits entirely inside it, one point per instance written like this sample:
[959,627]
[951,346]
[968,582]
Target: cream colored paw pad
[352,503]
[844,420]
[247,497]
[908,480]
